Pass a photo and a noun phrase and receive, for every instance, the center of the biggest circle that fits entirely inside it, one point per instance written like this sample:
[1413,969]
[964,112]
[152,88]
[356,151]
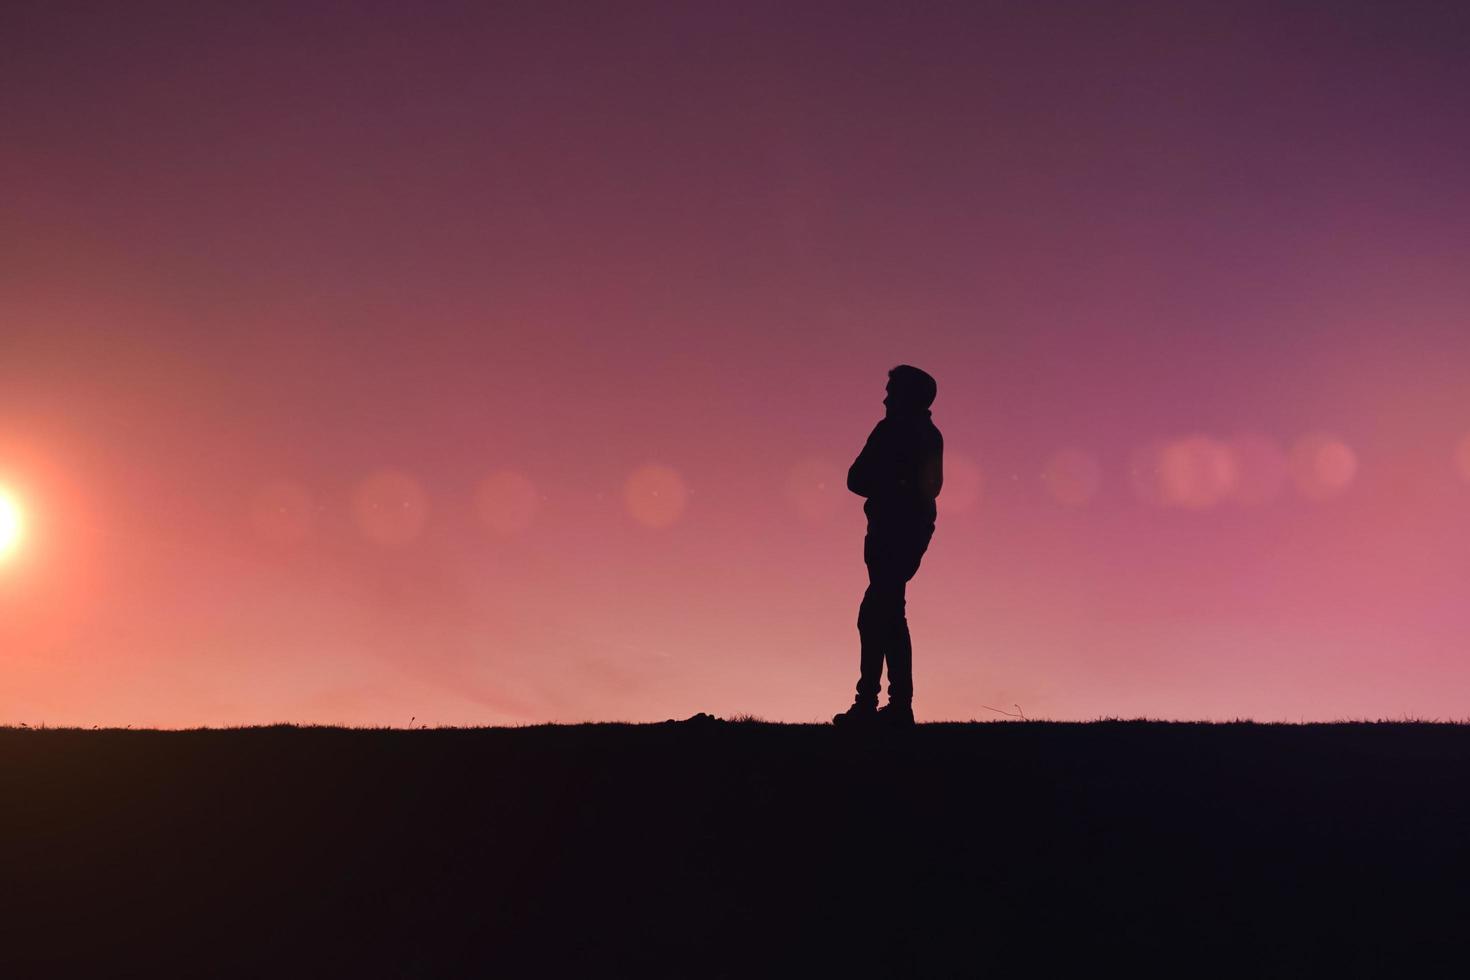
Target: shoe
[861,713]
[895,715]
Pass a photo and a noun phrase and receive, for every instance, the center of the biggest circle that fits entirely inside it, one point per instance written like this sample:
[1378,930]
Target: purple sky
[488,363]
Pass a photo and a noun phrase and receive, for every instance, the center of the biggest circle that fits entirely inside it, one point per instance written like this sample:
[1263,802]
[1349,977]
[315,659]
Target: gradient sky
[494,363]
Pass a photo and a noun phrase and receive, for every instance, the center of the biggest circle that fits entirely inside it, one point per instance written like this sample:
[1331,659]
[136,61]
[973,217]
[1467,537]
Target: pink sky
[284,285]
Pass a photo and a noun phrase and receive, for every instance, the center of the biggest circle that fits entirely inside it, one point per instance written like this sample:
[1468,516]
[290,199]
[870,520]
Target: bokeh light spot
[282,512]
[390,508]
[1322,466]
[1072,477]
[506,502]
[816,488]
[655,495]
[963,484]
[1196,473]
[1146,472]
[1462,458]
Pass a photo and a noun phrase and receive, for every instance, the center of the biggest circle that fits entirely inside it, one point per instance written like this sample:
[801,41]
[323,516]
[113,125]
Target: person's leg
[900,650]
[876,632]
[907,552]
[872,631]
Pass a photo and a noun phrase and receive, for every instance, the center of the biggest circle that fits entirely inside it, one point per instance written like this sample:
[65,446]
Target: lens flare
[1462,458]
[1197,472]
[390,508]
[1323,466]
[1146,472]
[1260,469]
[655,495]
[11,524]
[1072,477]
[963,485]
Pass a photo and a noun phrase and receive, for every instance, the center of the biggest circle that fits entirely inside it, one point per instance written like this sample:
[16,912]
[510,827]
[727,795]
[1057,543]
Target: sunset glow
[505,363]
[10,524]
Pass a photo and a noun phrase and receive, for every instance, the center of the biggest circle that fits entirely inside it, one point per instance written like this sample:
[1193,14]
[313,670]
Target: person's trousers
[892,553]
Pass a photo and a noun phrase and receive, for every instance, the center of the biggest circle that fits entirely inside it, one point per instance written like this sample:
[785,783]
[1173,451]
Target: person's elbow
[931,479]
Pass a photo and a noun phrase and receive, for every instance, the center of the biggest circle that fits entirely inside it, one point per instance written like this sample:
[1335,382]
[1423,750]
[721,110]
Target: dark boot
[895,714]
[860,715]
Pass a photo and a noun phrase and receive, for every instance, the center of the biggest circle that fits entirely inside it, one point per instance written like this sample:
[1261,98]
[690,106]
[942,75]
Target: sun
[10,524]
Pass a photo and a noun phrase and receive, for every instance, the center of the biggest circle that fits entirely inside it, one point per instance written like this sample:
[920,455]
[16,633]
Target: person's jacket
[900,469]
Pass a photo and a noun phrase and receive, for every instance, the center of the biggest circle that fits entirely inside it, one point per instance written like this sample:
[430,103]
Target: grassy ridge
[721,848]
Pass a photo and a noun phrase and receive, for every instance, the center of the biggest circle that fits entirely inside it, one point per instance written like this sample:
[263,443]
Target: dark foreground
[737,848]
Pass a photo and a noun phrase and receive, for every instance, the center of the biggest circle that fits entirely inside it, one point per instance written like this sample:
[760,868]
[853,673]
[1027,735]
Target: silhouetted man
[899,471]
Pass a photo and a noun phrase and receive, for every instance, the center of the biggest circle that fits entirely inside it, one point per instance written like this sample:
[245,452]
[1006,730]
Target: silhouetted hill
[719,848]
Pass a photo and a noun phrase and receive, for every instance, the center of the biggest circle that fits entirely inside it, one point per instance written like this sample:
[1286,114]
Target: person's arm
[931,468]
[864,475]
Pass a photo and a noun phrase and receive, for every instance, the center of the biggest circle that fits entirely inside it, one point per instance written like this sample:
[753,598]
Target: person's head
[909,389]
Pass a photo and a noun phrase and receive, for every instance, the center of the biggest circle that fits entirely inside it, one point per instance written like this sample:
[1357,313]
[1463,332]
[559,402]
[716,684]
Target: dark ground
[732,848]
